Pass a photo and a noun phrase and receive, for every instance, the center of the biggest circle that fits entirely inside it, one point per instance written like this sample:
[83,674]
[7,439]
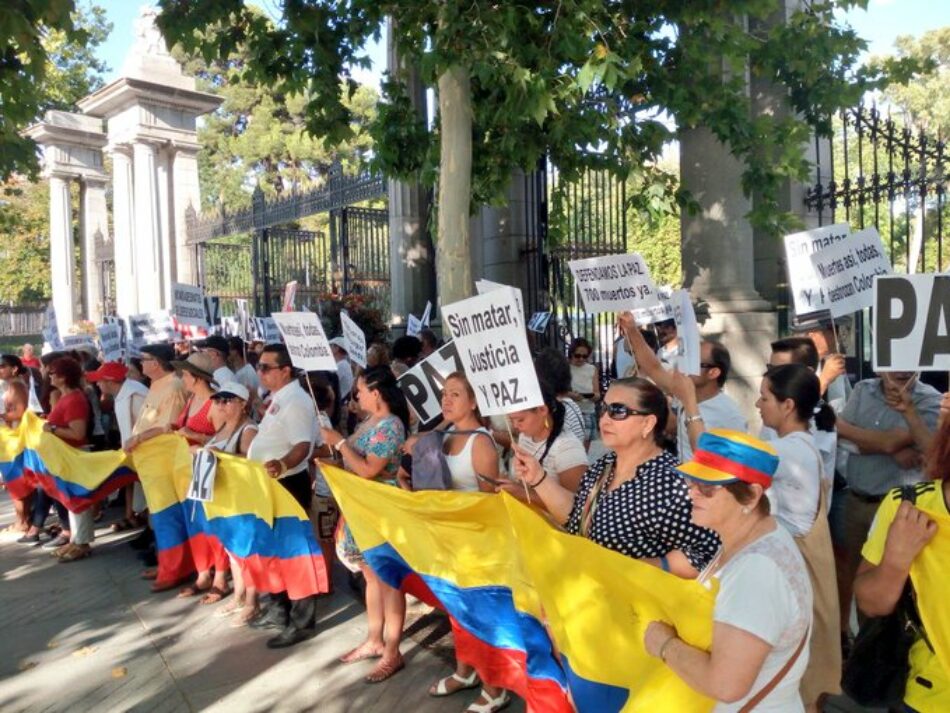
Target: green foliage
[926,100]
[24,246]
[585,81]
[47,61]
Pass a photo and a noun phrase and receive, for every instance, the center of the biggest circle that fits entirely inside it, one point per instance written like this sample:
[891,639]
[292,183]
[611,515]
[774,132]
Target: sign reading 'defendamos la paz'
[847,270]
[613,283]
[489,334]
[306,341]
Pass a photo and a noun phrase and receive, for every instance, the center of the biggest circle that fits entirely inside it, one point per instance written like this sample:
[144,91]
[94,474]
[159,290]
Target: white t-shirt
[765,591]
[290,419]
[128,406]
[223,375]
[565,453]
[718,412]
[247,377]
[796,485]
[827,442]
[582,381]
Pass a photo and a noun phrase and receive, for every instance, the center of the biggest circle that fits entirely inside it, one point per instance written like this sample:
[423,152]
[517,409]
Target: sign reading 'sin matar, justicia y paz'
[489,333]
[613,283]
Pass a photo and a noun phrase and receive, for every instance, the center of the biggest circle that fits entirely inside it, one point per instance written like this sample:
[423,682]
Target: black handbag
[875,675]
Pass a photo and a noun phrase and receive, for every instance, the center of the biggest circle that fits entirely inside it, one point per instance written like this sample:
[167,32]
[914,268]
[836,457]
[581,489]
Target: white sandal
[442,685]
[494,704]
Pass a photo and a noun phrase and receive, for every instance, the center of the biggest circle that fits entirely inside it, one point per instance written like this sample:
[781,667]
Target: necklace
[722,557]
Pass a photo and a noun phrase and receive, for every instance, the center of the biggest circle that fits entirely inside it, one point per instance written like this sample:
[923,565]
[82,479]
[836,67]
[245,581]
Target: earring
[547,424]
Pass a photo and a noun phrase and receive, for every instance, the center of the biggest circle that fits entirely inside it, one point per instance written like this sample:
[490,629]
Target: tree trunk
[453,252]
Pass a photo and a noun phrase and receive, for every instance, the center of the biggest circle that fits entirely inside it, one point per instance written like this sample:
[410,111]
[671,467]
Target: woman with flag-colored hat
[763,611]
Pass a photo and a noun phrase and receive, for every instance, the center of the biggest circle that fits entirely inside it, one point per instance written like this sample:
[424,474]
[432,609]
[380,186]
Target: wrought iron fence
[364,247]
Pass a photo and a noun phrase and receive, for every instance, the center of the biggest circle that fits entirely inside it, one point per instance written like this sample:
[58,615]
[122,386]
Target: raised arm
[648,362]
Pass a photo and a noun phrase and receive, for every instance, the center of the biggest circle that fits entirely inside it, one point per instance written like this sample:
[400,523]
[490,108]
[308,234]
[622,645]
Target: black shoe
[272,618]
[30,539]
[143,540]
[289,636]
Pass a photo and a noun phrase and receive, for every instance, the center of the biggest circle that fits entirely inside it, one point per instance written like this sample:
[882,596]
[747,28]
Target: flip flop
[214,595]
[385,670]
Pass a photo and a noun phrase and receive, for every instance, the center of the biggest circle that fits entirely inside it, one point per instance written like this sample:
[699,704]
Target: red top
[198,422]
[31,362]
[72,407]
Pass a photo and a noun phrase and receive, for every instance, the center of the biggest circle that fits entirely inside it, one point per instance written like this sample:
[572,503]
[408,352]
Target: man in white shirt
[244,373]
[344,369]
[217,348]
[284,442]
[703,405]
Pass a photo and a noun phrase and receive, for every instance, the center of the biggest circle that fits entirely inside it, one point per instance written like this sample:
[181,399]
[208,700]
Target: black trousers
[300,613]
[300,487]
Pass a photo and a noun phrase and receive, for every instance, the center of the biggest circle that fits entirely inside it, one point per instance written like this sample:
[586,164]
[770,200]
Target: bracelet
[540,480]
[692,419]
[338,446]
[664,564]
[662,654]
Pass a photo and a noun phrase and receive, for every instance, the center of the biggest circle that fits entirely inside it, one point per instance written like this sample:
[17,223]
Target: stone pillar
[163,191]
[62,252]
[95,222]
[411,253]
[148,247]
[123,221]
[718,260]
[503,236]
[186,193]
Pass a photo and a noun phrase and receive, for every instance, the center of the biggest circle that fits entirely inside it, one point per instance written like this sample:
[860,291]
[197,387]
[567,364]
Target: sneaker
[30,539]
[56,542]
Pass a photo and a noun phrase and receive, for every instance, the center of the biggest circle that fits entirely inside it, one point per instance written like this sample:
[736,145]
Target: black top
[647,516]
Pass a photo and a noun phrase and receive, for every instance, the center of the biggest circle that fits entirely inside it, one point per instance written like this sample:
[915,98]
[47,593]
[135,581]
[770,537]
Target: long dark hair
[382,379]
[800,384]
[558,413]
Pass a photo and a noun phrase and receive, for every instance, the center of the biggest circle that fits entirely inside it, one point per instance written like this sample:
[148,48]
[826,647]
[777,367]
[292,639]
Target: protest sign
[539,322]
[355,340]
[807,294]
[426,314]
[912,323]
[846,270]
[306,341]
[51,332]
[491,341]
[204,468]
[150,328]
[110,339]
[230,326]
[483,286]
[687,330]
[188,305]
[79,341]
[243,318]
[660,312]
[290,296]
[413,326]
[269,331]
[613,283]
[422,384]
[213,310]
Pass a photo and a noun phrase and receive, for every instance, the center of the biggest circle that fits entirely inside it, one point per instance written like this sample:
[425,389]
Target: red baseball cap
[110,371]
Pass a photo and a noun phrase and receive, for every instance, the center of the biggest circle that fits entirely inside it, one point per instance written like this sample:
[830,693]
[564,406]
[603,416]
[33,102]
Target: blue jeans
[41,506]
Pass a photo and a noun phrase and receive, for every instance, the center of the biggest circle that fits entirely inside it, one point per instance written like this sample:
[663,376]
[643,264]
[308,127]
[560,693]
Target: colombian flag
[555,618]
[31,458]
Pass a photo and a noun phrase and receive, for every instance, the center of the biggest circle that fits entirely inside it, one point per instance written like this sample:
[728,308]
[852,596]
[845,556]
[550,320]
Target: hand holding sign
[204,468]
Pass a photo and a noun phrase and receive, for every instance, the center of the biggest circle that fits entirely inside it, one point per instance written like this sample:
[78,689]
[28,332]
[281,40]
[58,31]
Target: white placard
[213,310]
[243,318]
[422,384]
[847,269]
[912,323]
[290,296]
[413,326]
[660,312]
[204,468]
[188,305]
[426,314]
[150,328]
[807,294]
[79,341]
[110,339]
[613,283]
[490,337]
[51,332]
[484,286]
[687,330]
[355,340]
[306,341]
[539,322]
[231,326]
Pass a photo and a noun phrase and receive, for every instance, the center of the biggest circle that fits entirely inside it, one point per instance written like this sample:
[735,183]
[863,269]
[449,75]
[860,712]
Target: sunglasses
[580,355]
[264,368]
[707,490]
[707,365]
[225,400]
[618,411]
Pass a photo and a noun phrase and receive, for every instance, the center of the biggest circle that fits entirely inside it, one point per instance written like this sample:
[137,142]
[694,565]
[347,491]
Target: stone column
[148,247]
[185,193]
[95,222]
[411,253]
[62,252]
[163,195]
[123,221]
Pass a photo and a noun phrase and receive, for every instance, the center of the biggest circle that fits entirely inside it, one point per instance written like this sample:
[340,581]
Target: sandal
[191,590]
[360,653]
[494,704]
[233,607]
[245,619]
[214,595]
[385,669]
[441,687]
[76,553]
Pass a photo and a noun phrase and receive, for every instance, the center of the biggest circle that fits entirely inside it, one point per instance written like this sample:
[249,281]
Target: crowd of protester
[798,522]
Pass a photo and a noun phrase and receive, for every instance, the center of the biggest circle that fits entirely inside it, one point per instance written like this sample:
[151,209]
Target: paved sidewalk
[89,636]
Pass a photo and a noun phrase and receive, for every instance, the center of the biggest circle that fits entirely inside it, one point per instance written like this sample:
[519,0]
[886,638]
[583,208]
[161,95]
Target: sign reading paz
[306,341]
[490,337]
[613,283]
[847,269]
[422,384]
[188,305]
[355,340]
[807,293]
[912,323]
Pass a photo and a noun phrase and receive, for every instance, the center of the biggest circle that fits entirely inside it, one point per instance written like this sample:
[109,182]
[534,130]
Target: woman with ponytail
[789,397]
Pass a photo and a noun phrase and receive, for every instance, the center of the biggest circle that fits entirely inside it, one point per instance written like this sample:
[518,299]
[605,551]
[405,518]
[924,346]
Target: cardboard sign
[290,296]
[539,322]
[613,283]
[484,286]
[188,305]
[110,339]
[422,384]
[912,323]
[150,328]
[847,269]
[413,326]
[306,341]
[204,468]
[660,312]
[490,337]
[243,318]
[426,314]
[51,332]
[355,340]
[807,294]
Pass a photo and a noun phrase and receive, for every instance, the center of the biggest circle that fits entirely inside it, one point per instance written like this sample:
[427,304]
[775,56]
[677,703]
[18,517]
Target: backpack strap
[777,678]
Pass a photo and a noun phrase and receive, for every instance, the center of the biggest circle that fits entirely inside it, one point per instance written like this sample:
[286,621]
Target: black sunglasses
[581,355]
[224,400]
[618,411]
[707,365]
[264,368]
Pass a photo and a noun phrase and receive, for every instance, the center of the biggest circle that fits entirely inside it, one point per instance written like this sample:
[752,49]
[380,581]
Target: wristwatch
[53,427]
[693,419]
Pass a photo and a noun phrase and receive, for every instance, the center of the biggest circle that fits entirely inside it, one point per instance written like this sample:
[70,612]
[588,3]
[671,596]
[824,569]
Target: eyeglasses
[580,355]
[707,365]
[707,490]
[619,411]
[264,368]
[224,400]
